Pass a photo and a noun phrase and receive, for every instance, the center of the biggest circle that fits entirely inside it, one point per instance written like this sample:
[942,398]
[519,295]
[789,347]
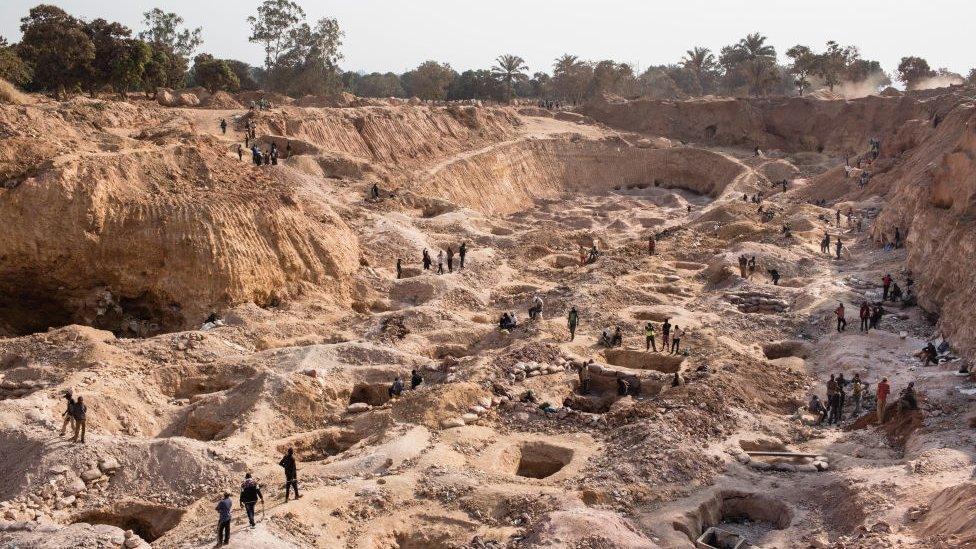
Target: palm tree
[564,64]
[510,69]
[754,47]
[699,61]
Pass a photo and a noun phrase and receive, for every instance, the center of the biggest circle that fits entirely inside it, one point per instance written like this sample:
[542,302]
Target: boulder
[453,422]
[469,418]
[357,407]
[91,475]
[109,465]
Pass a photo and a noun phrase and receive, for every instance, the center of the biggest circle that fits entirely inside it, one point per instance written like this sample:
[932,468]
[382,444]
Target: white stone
[357,407]
[469,418]
[453,422]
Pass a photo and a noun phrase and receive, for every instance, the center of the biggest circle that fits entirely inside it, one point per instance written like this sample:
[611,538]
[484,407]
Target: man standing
[79,413]
[223,520]
[649,337]
[865,315]
[832,399]
[427,260]
[69,418]
[676,340]
[291,473]
[665,333]
[857,390]
[885,285]
[651,244]
[250,493]
[450,259]
[838,246]
[882,396]
[462,251]
[399,268]
[223,125]
[572,320]
[841,319]
[415,379]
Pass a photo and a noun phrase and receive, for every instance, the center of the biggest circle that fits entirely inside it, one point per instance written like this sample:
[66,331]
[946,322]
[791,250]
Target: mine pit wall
[509,178]
[933,197]
[788,124]
[400,135]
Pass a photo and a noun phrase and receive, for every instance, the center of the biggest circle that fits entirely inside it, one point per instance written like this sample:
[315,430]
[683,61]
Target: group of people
[587,257]
[550,104]
[250,494]
[825,242]
[428,262]
[670,337]
[396,388]
[832,410]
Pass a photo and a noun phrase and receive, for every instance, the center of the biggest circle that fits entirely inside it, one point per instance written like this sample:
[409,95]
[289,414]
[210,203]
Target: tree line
[62,54]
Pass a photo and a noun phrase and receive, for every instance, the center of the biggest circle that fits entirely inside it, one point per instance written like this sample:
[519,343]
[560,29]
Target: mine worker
[396,389]
[876,313]
[288,150]
[857,392]
[291,473]
[825,244]
[651,244]
[240,152]
[865,315]
[676,381]
[774,274]
[907,399]
[838,246]
[535,310]
[882,397]
[426,260]
[223,125]
[841,319]
[930,354]
[69,419]
[816,406]
[743,265]
[274,156]
[399,268]
[784,185]
[752,266]
[838,218]
[665,333]
[676,339]
[250,493]
[572,320]
[584,377]
[440,261]
[374,192]
[896,293]
[897,238]
[223,519]
[462,251]
[415,379]
[79,412]
[623,387]
[649,337]
[885,286]
[450,259]
[617,339]
[255,155]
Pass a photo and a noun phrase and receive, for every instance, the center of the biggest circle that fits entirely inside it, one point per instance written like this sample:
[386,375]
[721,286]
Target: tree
[611,77]
[13,69]
[570,78]
[758,62]
[730,59]
[214,74]
[374,84]
[510,69]
[860,70]
[971,77]
[754,46]
[165,29]
[804,63]
[762,75]
[480,84]
[702,64]
[275,26]
[912,70]
[110,41]
[310,66]
[55,46]
[430,80]
[832,64]
[244,74]
[129,62]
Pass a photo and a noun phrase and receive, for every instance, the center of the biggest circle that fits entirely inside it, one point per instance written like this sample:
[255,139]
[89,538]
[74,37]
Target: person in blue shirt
[223,521]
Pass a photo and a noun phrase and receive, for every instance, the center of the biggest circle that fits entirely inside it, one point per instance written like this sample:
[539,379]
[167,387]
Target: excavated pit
[374,394]
[750,514]
[149,521]
[641,360]
[541,460]
[787,348]
[321,444]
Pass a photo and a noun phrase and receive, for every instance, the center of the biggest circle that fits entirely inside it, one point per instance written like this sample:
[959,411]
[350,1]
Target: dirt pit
[541,460]
[321,444]
[788,348]
[147,520]
[640,360]
[749,514]
[374,394]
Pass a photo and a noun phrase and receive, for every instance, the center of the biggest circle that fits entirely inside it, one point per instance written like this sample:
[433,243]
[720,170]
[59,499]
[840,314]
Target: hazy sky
[394,35]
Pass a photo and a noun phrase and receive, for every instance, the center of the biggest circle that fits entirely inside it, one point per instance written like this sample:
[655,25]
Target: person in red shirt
[865,317]
[886,283]
[883,390]
[841,319]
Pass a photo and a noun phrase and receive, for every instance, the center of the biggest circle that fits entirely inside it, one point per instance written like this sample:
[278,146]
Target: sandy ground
[467,459]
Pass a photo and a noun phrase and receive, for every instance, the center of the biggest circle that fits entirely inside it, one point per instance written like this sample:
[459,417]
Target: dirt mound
[220,100]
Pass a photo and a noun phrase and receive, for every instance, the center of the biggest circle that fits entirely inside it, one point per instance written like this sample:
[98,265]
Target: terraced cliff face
[509,177]
[932,197]
[789,124]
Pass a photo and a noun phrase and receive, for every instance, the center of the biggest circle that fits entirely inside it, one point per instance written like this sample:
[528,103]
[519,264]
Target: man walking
[79,413]
[885,286]
[250,493]
[291,473]
[223,520]
[841,319]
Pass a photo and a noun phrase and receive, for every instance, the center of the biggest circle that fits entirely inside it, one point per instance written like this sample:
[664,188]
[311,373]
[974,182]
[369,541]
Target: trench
[750,515]
[787,348]
[374,394]
[149,521]
[641,360]
[321,444]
